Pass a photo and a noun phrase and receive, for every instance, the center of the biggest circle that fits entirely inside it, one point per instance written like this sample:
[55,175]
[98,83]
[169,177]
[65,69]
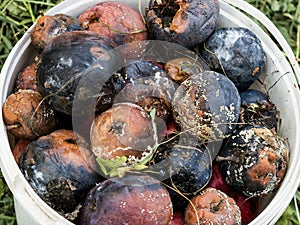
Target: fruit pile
[125,118]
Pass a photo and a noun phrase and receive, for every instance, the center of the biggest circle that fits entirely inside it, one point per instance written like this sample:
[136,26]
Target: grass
[7,214]
[17,16]
[285,14]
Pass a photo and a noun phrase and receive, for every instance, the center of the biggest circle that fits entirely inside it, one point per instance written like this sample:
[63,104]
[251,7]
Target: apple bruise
[115,20]
[212,206]
[123,130]
[254,161]
[180,20]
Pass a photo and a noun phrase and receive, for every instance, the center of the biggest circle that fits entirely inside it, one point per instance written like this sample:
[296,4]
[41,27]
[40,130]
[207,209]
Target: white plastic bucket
[31,210]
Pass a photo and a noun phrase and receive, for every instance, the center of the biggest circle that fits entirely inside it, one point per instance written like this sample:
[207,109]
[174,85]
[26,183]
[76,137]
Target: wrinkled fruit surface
[212,206]
[70,57]
[187,23]
[254,160]
[207,105]
[56,168]
[134,199]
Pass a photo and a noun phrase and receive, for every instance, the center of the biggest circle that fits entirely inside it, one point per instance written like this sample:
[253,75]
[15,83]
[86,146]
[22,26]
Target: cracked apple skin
[187,23]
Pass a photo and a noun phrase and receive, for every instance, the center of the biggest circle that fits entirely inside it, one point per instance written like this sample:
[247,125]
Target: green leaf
[153,148]
[108,165]
[290,7]
[118,167]
[276,5]
[14,9]
[289,216]
[6,42]
[297,195]
[284,32]
[120,171]
[140,167]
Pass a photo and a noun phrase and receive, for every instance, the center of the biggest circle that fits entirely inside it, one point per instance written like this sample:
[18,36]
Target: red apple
[248,206]
[178,218]
[19,148]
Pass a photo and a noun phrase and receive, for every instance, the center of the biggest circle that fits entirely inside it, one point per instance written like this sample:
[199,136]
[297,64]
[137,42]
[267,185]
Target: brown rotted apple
[186,23]
[124,130]
[58,167]
[27,115]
